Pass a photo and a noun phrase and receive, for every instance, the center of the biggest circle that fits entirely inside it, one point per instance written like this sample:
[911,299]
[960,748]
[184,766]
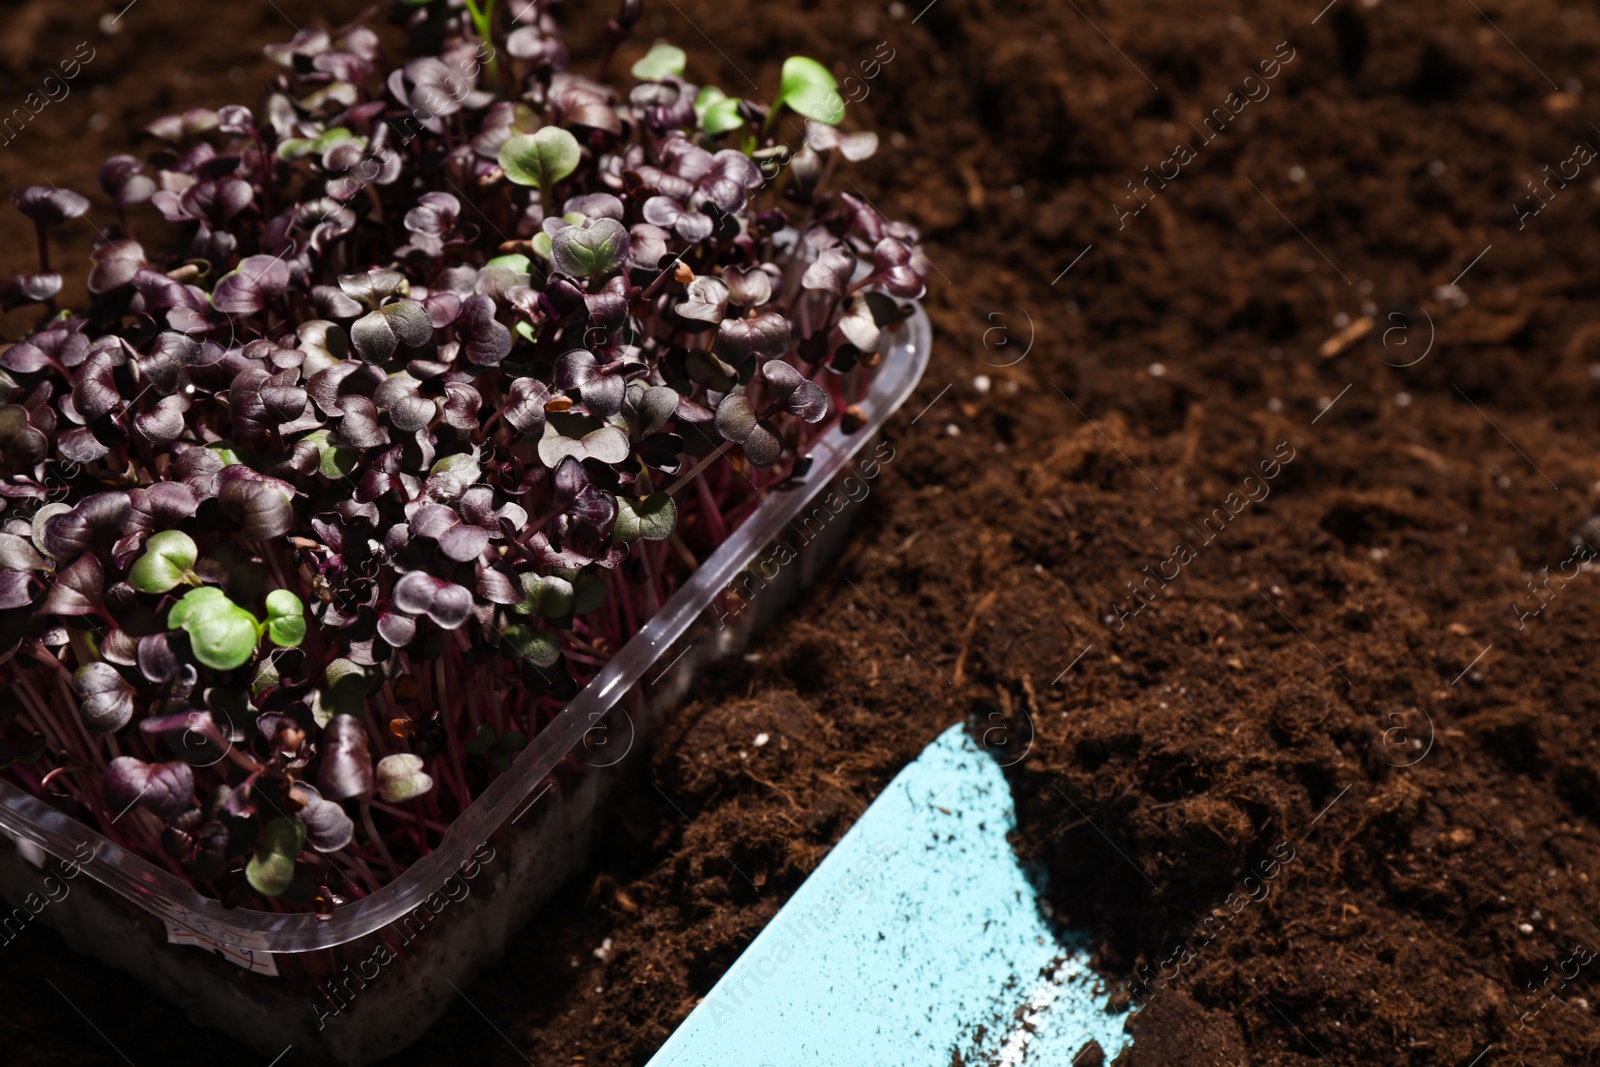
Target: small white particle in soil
[743,754]
[1274,405]
[897,10]
[761,739]
[98,122]
[1436,167]
[952,429]
[1525,928]
[109,25]
[1503,482]
[981,383]
[1402,400]
[1341,320]
[1297,173]
[603,953]
[1158,370]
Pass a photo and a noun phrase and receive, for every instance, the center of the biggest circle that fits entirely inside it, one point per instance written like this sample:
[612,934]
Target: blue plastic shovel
[917,940]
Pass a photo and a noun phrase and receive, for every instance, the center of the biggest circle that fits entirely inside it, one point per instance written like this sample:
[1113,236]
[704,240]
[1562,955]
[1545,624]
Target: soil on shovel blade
[1237,511]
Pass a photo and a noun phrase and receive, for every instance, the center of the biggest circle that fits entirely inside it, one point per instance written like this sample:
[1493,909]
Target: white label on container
[251,959]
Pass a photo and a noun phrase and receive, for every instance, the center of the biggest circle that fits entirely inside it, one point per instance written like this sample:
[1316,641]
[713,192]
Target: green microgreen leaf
[286,619]
[222,634]
[542,648]
[169,558]
[716,112]
[271,868]
[810,90]
[661,62]
[540,159]
[652,519]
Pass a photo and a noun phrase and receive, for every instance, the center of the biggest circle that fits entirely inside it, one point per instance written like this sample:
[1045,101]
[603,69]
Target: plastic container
[371,979]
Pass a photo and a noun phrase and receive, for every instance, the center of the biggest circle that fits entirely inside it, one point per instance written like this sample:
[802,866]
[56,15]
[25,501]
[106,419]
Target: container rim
[26,818]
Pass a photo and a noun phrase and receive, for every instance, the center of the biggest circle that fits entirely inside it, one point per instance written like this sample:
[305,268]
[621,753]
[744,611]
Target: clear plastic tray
[550,841]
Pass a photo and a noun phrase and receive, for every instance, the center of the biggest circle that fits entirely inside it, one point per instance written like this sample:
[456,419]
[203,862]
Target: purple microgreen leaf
[375,286]
[419,593]
[165,789]
[738,422]
[97,517]
[78,589]
[104,699]
[328,828]
[484,340]
[764,337]
[797,395]
[748,286]
[524,406]
[157,657]
[19,289]
[457,540]
[396,628]
[94,387]
[345,767]
[705,300]
[831,272]
[378,334]
[248,289]
[164,423]
[602,393]
[263,507]
[609,307]
[115,265]
[48,206]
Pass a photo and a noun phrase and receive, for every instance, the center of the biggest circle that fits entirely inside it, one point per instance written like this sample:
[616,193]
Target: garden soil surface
[1335,792]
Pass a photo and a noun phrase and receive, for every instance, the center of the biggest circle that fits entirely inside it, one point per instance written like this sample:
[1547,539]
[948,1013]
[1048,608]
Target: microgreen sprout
[419,390]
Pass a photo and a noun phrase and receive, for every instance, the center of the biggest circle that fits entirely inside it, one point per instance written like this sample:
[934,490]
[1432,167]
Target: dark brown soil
[1264,705]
